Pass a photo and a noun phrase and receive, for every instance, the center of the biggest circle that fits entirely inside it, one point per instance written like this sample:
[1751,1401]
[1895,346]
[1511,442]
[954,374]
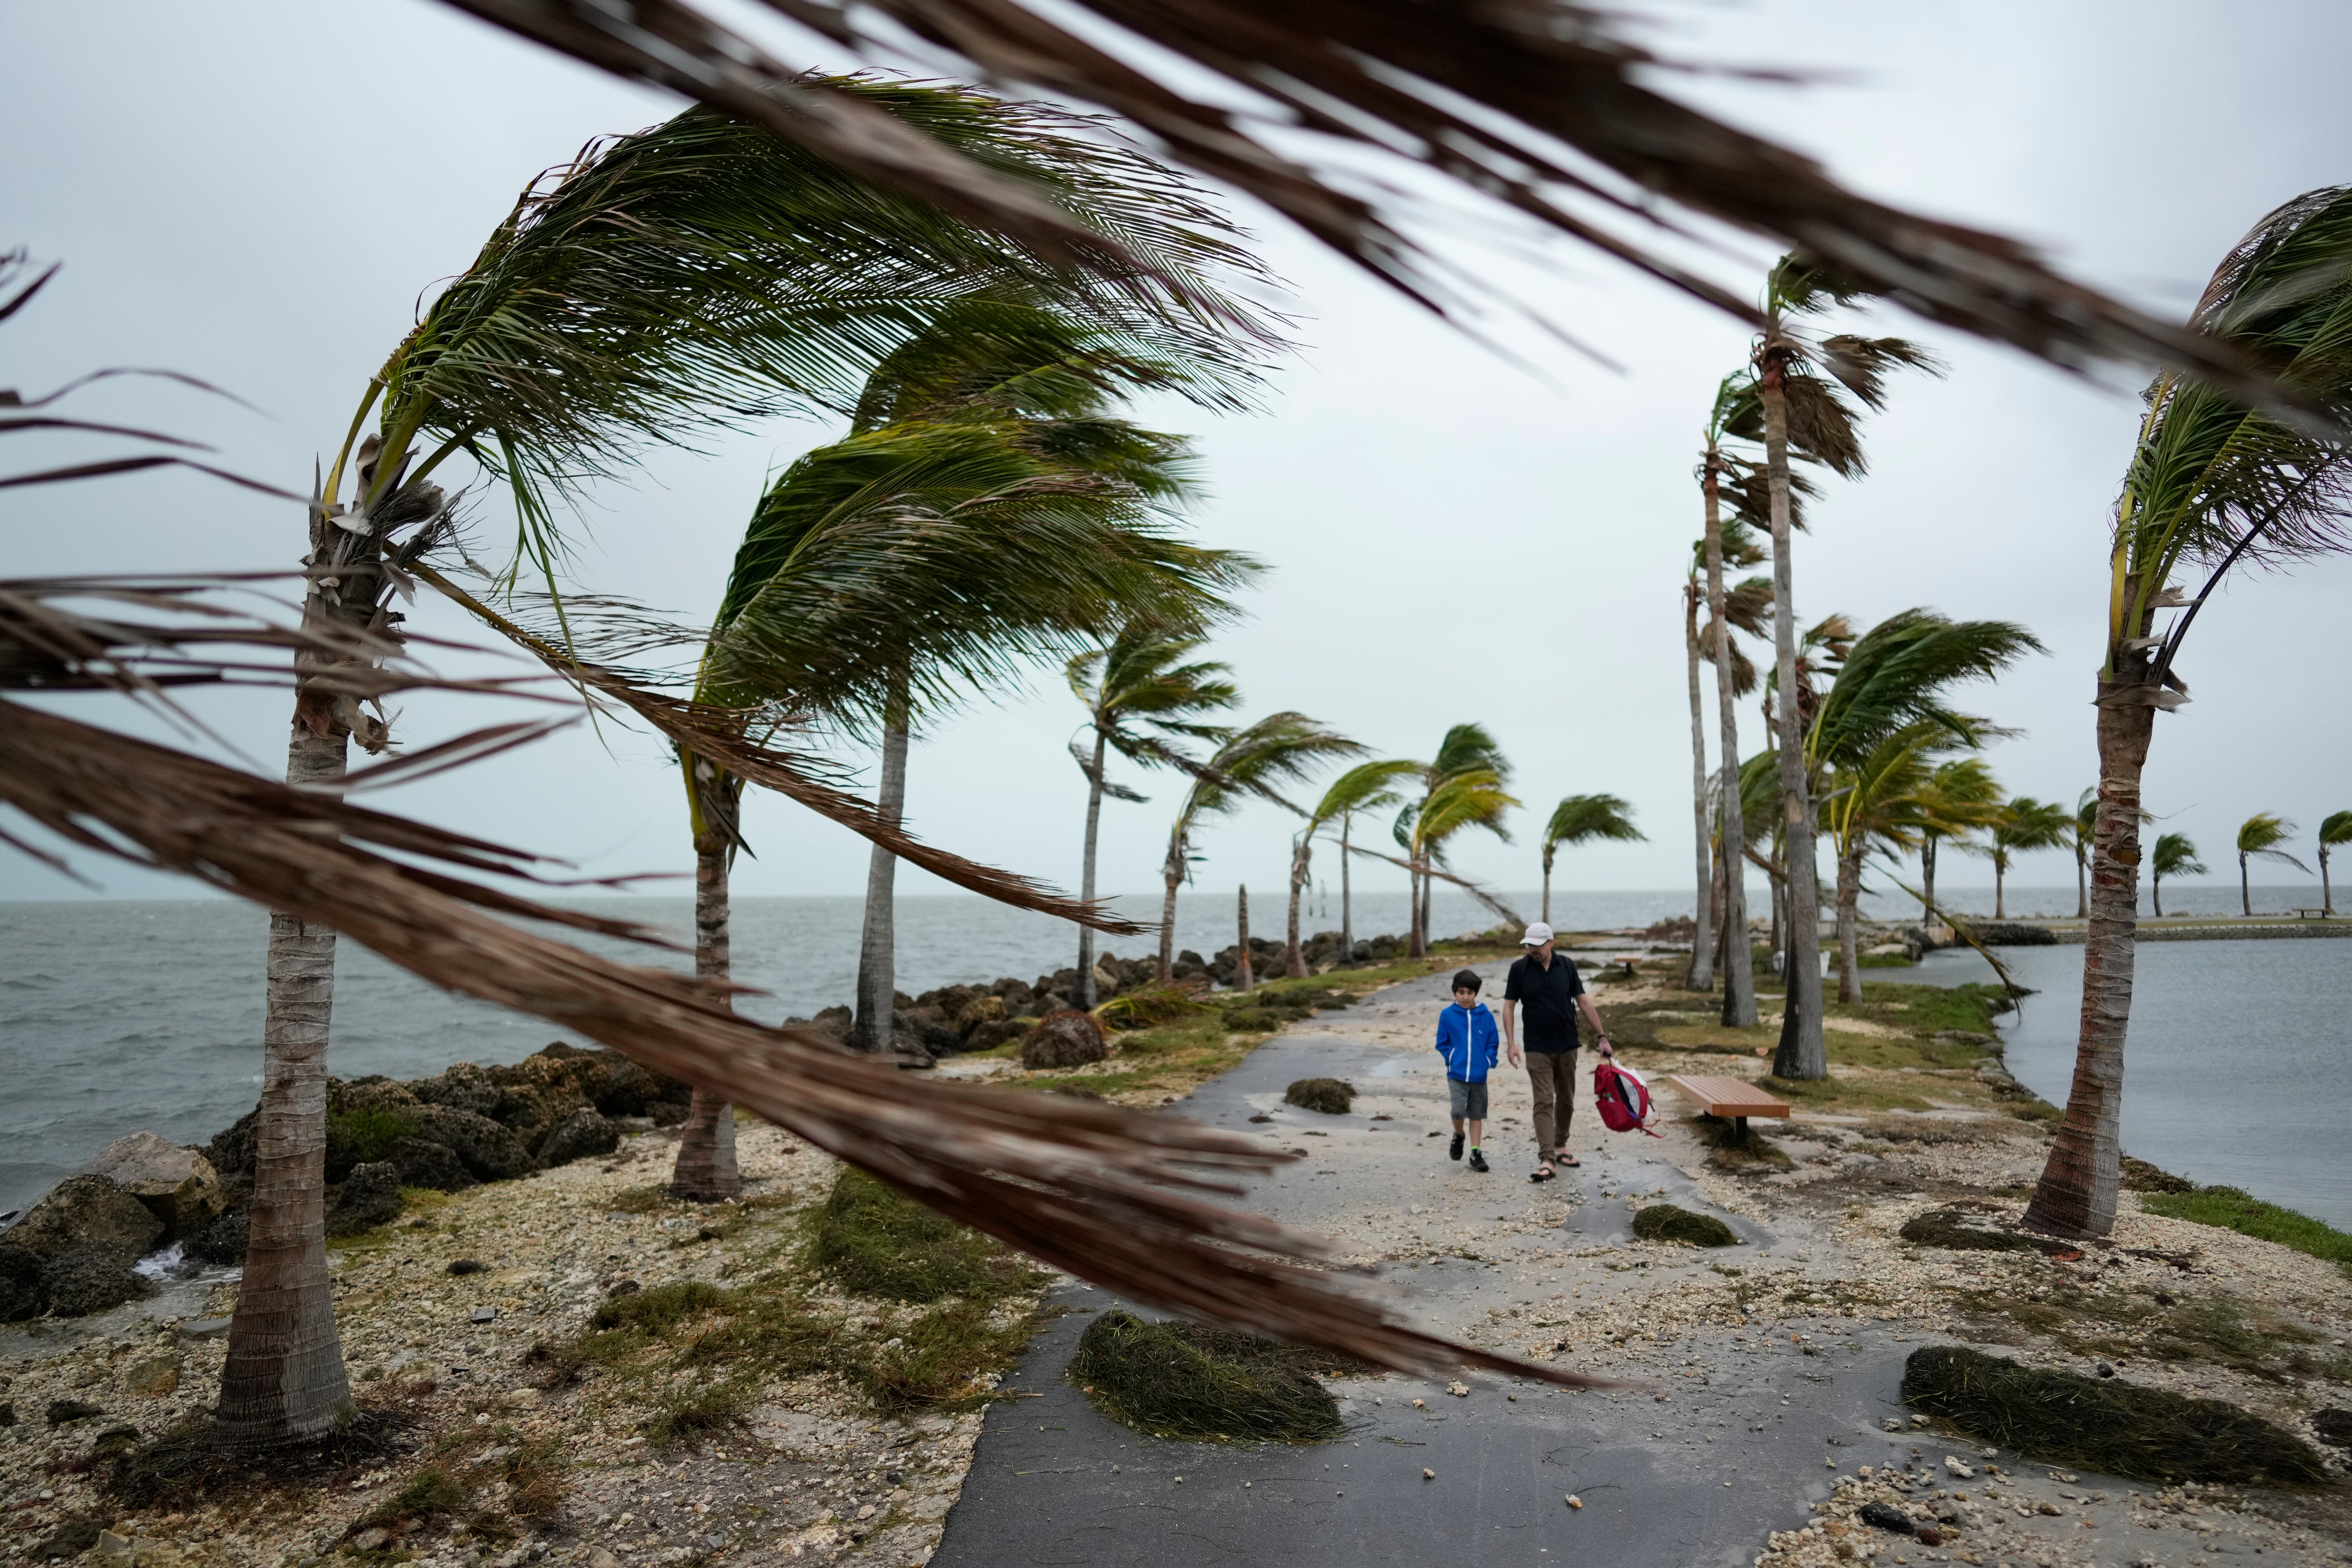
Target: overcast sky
[259,192]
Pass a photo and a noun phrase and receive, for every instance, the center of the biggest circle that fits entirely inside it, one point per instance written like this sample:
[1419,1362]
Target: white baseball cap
[1538,934]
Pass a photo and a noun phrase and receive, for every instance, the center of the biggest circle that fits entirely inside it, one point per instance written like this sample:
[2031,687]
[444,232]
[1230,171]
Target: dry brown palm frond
[719,735]
[1536,104]
[1103,1193]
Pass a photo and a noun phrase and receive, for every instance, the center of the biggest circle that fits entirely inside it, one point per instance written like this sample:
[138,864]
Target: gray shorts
[1469,1099]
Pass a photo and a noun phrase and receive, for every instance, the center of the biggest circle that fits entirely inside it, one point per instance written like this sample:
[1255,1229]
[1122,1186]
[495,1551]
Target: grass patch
[1845,1093]
[2103,1423]
[1179,1380]
[2245,1337]
[1883,961]
[874,1240]
[692,1414]
[1669,1222]
[363,1134]
[652,1198]
[1150,1008]
[2230,1209]
[1944,1229]
[935,1363]
[1330,1096]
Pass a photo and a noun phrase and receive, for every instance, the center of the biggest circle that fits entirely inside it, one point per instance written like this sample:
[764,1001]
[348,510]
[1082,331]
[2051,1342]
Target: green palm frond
[2216,482]
[946,555]
[1142,691]
[1887,797]
[1475,798]
[1959,797]
[2336,829]
[2175,856]
[2262,833]
[704,273]
[1468,748]
[2026,823]
[1366,786]
[1584,818]
[1252,761]
[1896,674]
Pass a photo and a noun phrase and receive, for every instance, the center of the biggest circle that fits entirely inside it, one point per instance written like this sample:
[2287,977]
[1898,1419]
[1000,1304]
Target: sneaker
[1454,1149]
[1478,1159]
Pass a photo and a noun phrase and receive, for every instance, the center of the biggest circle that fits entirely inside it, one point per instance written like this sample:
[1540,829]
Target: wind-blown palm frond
[1475,798]
[704,272]
[1486,97]
[945,555]
[1102,1192]
[2336,829]
[1584,818]
[1366,786]
[1896,674]
[2262,833]
[2175,856]
[2214,481]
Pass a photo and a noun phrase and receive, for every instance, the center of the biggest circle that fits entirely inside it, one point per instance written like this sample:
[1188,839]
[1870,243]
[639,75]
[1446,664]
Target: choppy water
[116,1016]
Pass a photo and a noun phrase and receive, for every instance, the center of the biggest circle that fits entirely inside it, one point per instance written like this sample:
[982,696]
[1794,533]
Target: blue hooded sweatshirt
[1469,1041]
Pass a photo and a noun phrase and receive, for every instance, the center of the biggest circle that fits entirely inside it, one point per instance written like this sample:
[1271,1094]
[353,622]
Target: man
[1546,983]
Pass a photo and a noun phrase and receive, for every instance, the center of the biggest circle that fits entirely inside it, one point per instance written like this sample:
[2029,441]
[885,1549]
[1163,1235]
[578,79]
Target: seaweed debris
[1331,1096]
[1668,1222]
[2108,1425]
[1179,1380]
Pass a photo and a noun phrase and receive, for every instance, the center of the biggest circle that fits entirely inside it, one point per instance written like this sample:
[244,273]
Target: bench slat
[1733,1096]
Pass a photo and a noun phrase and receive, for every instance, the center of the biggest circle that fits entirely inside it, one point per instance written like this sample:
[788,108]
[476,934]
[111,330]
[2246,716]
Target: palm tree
[2079,833]
[1474,797]
[1366,786]
[1585,819]
[1277,749]
[1142,700]
[2337,829]
[2022,826]
[1466,749]
[1054,373]
[1797,380]
[897,567]
[690,277]
[1961,797]
[1871,740]
[2261,836]
[1744,608]
[2211,482]
[2175,857]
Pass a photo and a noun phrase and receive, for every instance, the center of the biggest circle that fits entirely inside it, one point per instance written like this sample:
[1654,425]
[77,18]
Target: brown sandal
[1543,1172]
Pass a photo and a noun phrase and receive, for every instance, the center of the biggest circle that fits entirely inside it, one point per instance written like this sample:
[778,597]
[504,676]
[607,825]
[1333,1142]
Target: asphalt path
[1693,1468]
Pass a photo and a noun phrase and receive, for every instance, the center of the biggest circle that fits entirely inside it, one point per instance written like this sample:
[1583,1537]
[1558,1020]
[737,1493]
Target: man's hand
[1516,1059]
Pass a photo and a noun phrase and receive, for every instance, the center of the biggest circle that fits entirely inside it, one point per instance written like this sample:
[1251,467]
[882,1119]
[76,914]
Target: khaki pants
[1552,1076]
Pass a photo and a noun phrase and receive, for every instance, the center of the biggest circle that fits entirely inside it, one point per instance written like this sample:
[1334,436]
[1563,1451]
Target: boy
[1468,1039]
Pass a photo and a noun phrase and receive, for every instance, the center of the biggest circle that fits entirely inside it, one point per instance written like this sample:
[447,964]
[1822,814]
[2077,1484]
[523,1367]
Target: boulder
[223,1241]
[1015,994]
[582,1134]
[1063,1038]
[155,1377]
[24,1283]
[978,1011]
[178,1185]
[370,1197]
[85,1279]
[1188,965]
[930,1027]
[88,1211]
[988,1036]
[424,1163]
[490,1152]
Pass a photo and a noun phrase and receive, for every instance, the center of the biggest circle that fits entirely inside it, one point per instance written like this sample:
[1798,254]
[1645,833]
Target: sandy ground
[1767,1373]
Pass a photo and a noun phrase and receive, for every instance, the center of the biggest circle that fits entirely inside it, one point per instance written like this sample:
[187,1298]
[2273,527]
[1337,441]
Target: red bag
[1623,1098]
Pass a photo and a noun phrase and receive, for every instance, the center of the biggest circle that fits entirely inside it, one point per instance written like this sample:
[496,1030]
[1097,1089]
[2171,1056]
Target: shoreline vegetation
[573,1366]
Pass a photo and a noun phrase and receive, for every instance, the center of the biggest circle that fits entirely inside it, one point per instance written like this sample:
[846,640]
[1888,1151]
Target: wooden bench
[1734,1099]
[1628,959]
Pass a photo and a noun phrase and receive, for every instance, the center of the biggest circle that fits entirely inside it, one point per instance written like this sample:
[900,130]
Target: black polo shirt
[1547,999]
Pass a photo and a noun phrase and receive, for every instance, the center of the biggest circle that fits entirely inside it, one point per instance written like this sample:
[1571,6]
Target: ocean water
[117,1017]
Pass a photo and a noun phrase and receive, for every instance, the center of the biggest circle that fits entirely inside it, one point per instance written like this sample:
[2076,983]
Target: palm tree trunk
[705,1171]
[2327,893]
[1999,876]
[2156,892]
[877,947]
[1428,896]
[1347,915]
[2076,1194]
[1928,877]
[1413,945]
[1849,899]
[284,1378]
[1546,893]
[1243,979]
[2245,889]
[1779,919]
[1294,957]
[2081,878]
[1739,968]
[1702,965]
[1086,878]
[1172,875]
[1802,1053]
